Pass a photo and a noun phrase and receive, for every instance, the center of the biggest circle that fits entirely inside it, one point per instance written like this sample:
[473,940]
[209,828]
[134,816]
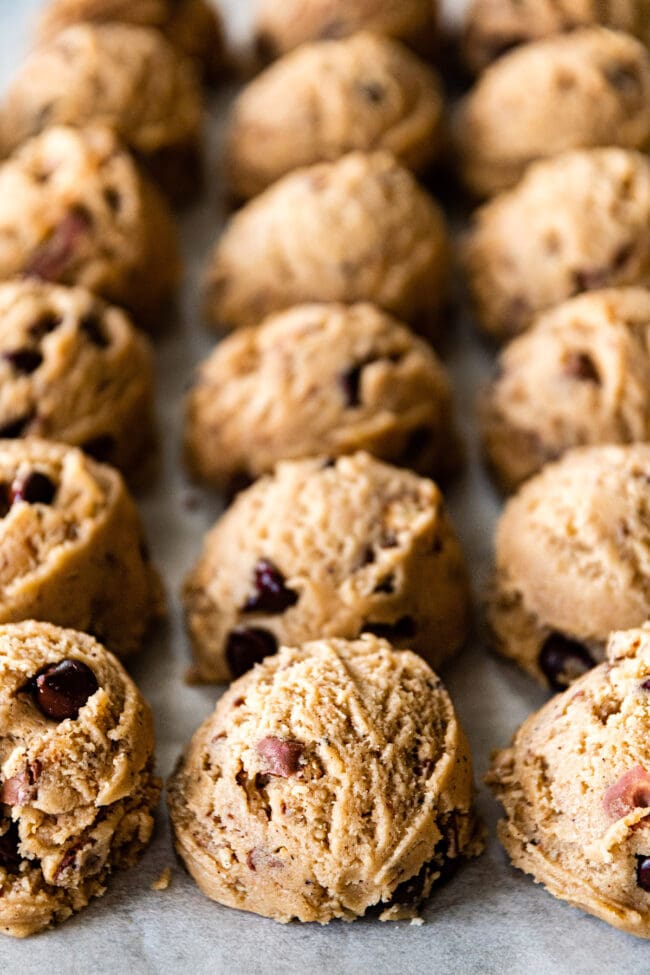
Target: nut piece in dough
[314,380]
[589,88]
[193,26]
[359,229]
[577,222]
[77,790]
[325,548]
[72,547]
[280,27]
[580,376]
[76,370]
[328,98]
[575,788]
[331,778]
[573,561]
[74,209]
[493,27]
[126,78]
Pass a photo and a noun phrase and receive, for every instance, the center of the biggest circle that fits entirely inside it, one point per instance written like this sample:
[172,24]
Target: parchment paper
[489,918]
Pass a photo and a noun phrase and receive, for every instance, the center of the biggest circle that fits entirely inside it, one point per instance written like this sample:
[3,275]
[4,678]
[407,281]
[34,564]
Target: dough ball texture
[331,778]
[359,229]
[493,27]
[577,222]
[74,209]
[72,547]
[76,781]
[574,788]
[74,369]
[193,26]
[126,78]
[314,380]
[588,88]
[282,26]
[580,376]
[328,98]
[573,561]
[327,549]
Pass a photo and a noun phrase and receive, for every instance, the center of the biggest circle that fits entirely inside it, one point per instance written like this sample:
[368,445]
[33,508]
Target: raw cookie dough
[75,369]
[573,561]
[492,27]
[77,792]
[329,779]
[127,78]
[75,210]
[577,222]
[314,380]
[282,26]
[575,788]
[72,547]
[327,548]
[587,88]
[581,375]
[359,229]
[327,98]
[192,26]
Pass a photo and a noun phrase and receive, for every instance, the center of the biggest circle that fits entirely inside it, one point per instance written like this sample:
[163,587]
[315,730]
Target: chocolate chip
[247,646]
[282,755]
[18,790]
[91,326]
[50,260]
[402,629]
[10,858]
[623,77]
[372,91]
[562,660]
[35,488]
[113,198]
[23,360]
[386,585]
[60,690]
[44,325]
[100,448]
[271,594]
[349,381]
[645,686]
[15,428]
[579,365]
[643,872]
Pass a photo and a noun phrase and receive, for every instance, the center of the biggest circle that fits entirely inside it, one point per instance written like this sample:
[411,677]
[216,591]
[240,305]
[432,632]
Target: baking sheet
[489,918]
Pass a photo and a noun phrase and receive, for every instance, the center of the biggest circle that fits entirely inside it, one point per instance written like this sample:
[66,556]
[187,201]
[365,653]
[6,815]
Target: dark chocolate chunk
[10,858]
[44,325]
[580,365]
[60,690]
[35,488]
[51,259]
[349,381]
[643,872]
[283,756]
[271,594]
[247,646]
[562,660]
[23,360]
[92,328]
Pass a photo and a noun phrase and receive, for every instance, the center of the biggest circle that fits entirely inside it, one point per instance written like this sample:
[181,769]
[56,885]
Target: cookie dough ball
[282,26]
[331,778]
[77,792]
[75,210]
[588,88]
[493,27]
[74,369]
[581,375]
[316,104]
[324,548]
[573,561]
[319,379]
[577,222]
[192,26]
[574,786]
[359,229]
[127,78]
[72,544]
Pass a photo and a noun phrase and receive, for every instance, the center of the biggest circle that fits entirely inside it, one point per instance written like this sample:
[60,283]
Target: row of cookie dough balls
[331,779]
